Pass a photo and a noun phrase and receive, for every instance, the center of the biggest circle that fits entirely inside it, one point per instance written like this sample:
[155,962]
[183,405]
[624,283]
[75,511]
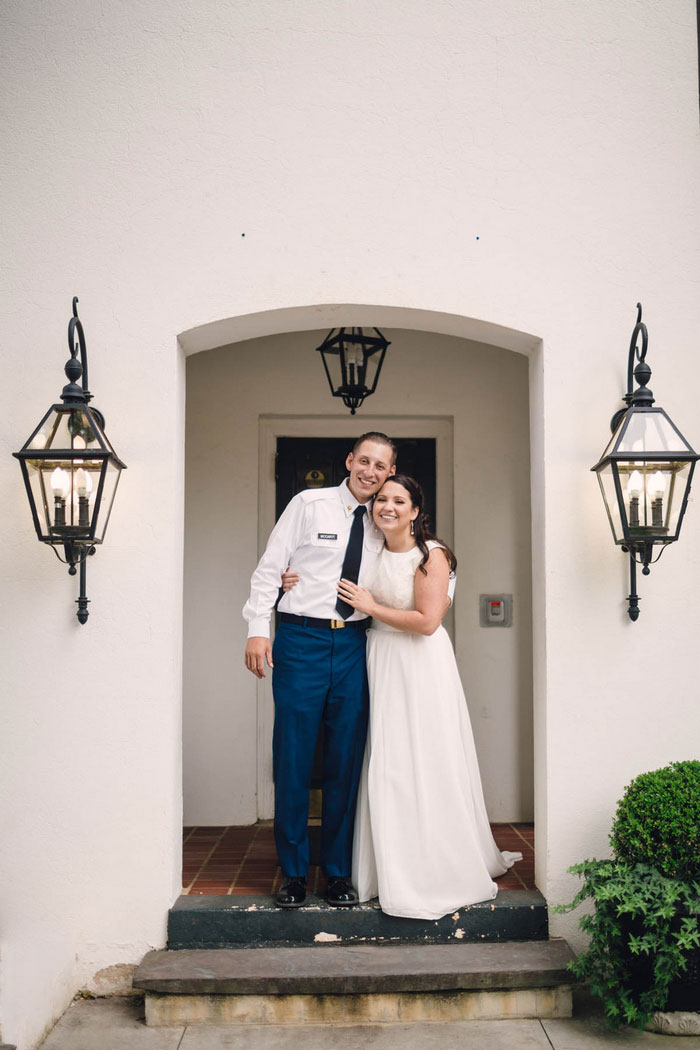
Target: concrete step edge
[212,922]
[356,969]
[263,903]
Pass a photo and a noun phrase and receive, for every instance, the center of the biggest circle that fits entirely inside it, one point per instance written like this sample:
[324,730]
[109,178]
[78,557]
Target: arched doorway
[257,379]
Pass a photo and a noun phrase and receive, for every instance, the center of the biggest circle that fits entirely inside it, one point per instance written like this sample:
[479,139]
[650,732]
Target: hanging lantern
[353,360]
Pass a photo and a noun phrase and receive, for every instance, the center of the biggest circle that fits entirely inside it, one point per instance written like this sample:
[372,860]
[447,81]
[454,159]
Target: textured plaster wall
[532,166]
[484,393]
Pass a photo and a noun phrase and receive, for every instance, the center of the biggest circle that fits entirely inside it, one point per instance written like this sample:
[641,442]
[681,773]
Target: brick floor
[225,860]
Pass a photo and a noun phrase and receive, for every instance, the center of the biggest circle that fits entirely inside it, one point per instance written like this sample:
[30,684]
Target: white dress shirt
[311,537]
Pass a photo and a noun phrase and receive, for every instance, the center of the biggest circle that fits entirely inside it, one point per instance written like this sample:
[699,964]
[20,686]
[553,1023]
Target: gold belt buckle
[337,624]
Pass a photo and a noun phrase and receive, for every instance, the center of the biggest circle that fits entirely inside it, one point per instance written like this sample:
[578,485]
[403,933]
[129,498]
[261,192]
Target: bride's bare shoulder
[437,558]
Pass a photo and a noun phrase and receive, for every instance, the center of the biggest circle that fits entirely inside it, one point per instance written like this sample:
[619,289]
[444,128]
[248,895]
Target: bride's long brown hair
[421,528]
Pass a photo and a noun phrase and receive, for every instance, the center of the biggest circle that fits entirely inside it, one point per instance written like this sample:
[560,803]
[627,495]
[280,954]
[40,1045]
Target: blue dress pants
[319,676]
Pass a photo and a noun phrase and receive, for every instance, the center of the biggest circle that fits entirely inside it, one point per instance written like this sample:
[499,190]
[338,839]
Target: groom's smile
[369,468]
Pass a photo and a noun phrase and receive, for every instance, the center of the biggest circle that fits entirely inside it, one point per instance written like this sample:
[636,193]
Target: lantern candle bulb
[83,482]
[657,488]
[83,485]
[635,486]
[354,362]
[60,483]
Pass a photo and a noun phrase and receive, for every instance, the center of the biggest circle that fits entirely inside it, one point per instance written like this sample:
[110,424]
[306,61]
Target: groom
[318,660]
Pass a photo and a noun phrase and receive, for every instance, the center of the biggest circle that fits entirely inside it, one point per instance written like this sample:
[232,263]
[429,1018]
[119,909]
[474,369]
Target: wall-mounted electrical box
[495,610]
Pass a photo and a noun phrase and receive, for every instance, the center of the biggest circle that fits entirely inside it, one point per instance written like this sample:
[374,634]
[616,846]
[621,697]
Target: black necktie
[353,557]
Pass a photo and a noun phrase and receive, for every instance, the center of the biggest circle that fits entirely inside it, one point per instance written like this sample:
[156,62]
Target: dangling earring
[413,529]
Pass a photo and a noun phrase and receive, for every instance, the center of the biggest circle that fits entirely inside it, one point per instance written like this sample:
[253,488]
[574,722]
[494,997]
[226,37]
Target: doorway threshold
[242,860]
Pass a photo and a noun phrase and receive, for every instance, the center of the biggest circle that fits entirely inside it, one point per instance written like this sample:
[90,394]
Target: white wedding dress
[422,841]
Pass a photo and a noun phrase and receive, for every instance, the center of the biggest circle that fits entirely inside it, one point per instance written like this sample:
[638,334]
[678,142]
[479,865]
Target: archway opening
[253,381]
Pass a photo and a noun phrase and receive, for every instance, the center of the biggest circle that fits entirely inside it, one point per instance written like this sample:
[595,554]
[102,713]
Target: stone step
[344,984]
[339,969]
[254,921]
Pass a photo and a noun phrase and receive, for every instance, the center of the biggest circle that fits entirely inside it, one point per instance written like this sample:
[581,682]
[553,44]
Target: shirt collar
[350,504]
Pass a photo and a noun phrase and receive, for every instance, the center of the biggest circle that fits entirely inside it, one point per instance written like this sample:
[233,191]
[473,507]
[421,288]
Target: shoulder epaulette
[311,495]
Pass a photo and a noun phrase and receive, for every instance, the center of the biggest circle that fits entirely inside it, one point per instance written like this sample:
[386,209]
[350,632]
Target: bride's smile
[393,513]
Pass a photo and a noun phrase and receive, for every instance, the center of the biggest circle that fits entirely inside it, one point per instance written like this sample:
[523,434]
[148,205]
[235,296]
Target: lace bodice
[392,577]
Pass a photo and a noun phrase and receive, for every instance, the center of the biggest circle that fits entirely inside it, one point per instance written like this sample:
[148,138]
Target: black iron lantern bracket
[642,373]
[70,469]
[642,553]
[645,472]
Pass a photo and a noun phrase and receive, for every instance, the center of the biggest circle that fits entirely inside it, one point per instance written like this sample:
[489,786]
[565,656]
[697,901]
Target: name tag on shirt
[327,536]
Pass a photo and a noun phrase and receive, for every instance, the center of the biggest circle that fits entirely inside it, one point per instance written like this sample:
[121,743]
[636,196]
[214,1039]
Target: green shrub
[658,821]
[642,928]
[645,925]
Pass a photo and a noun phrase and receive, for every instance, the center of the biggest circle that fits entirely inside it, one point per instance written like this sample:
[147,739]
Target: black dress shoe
[292,894]
[340,892]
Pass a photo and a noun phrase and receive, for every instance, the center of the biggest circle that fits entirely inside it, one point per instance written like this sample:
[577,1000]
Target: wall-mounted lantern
[645,472]
[70,470]
[353,360]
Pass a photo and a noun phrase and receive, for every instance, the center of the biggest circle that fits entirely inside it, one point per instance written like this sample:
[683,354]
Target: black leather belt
[314,621]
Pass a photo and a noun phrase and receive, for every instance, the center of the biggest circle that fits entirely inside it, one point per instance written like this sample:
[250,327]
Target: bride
[422,841]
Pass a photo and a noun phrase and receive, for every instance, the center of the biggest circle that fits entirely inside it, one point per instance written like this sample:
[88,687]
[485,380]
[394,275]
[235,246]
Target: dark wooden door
[319,462]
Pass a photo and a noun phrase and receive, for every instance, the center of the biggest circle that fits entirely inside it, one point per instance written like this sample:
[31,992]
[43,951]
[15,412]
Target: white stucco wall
[481,393]
[530,166]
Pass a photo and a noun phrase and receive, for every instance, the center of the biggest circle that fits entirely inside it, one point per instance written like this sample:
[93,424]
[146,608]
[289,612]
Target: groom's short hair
[382,439]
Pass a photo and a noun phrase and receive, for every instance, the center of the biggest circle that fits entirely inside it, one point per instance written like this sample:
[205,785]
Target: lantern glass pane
[635,478]
[606,479]
[653,496]
[72,429]
[611,444]
[42,498]
[373,363]
[64,492]
[331,359]
[104,509]
[673,506]
[99,435]
[650,431]
[85,480]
